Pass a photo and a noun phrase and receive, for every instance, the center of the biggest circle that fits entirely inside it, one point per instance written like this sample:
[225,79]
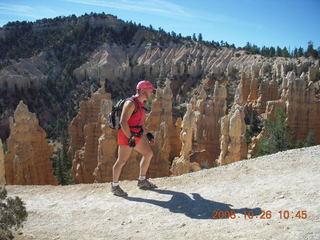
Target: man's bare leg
[123,155]
[143,147]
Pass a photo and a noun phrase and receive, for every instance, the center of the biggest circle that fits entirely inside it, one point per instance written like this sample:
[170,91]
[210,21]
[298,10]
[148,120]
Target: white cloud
[151,6]
[36,12]
[18,10]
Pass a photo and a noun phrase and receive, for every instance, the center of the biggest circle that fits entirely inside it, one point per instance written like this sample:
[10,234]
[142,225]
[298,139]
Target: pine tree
[272,52]
[194,38]
[61,162]
[295,52]
[200,39]
[310,51]
[279,52]
[300,52]
[285,52]
[277,135]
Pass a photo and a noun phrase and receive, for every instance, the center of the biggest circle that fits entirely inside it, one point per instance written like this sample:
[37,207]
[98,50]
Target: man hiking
[131,136]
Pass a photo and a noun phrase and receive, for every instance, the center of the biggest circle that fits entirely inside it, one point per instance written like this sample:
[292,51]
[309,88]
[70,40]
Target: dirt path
[183,206]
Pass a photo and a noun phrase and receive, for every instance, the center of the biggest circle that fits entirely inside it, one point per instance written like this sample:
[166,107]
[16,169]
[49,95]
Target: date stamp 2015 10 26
[283,214]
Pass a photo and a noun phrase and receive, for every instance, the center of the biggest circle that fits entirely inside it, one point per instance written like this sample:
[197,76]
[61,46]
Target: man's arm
[127,111]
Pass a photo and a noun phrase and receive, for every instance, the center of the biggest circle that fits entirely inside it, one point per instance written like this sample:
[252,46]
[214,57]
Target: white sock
[142,177]
[114,184]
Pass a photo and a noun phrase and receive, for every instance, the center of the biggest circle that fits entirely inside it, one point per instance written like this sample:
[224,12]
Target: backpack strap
[137,106]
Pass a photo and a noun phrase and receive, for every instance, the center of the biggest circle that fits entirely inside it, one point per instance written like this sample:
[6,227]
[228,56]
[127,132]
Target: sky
[290,23]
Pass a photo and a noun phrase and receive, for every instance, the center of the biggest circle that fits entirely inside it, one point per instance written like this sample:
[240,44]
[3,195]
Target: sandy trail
[183,207]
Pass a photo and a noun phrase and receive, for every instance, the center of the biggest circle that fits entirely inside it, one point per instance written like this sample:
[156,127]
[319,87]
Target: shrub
[277,135]
[309,141]
[254,125]
[12,214]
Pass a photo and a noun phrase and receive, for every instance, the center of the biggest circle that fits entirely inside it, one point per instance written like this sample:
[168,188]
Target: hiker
[131,135]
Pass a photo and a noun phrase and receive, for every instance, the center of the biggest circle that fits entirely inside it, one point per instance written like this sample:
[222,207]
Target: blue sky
[290,23]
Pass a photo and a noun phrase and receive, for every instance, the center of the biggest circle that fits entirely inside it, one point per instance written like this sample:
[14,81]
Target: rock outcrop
[233,141]
[84,132]
[243,89]
[303,110]
[181,165]
[2,173]
[118,62]
[300,103]
[268,91]
[207,125]
[201,130]
[27,160]
[29,72]
[160,123]
[107,146]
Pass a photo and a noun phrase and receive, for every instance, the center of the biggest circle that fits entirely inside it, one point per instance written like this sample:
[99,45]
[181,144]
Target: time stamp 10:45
[284,214]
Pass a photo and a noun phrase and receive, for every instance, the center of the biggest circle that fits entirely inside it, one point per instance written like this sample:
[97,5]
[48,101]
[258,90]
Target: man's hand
[132,142]
[150,138]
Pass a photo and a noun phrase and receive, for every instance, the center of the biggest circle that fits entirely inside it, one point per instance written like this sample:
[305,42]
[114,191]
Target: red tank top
[137,119]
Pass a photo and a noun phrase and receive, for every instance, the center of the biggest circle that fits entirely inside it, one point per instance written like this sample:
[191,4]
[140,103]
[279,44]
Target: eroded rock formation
[201,130]
[27,160]
[28,73]
[303,110]
[84,132]
[160,123]
[233,141]
[118,62]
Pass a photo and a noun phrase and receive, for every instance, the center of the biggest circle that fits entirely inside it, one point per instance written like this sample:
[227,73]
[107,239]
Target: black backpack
[115,115]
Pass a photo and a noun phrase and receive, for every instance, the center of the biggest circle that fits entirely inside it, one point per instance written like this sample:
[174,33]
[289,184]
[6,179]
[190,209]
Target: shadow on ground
[197,208]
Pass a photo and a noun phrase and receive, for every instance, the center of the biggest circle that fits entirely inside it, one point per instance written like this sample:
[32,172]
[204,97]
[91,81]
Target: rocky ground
[183,207]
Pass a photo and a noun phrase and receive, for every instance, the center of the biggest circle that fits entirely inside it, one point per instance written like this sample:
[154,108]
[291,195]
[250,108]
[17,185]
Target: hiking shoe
[117,191]
[145,184]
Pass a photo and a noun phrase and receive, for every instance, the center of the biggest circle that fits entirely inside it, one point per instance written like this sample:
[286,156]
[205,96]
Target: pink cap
[145,84]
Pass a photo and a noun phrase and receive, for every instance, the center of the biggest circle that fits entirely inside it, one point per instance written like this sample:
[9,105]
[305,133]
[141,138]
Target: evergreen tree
[264,51]
[285,52]
[272,52]
[277,135]
[310,51]
[295,52]
[300,52]
[200,39]
[247,47]
[194,38]
[279,52]
[61,162]
[255,49]
[12,214]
